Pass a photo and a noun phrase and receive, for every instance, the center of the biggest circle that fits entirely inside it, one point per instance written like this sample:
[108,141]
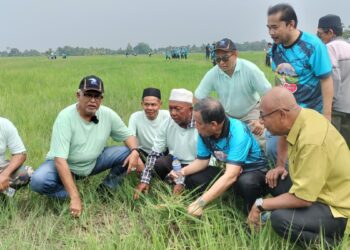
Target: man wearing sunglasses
[239,85]
[78,148]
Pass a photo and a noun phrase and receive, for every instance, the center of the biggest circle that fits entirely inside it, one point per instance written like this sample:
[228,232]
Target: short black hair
[210,110]
[288,13]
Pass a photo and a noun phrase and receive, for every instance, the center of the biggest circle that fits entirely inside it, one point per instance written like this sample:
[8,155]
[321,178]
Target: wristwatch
[259,204]
[201,202]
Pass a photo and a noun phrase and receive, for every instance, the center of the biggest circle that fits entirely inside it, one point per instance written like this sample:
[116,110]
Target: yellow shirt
[319,163]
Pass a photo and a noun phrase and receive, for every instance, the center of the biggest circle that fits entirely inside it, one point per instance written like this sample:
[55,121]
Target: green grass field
[34,90]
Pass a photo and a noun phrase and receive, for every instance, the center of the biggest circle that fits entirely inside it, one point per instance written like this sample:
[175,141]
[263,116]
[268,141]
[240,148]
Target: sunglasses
[223,58]
[90,96]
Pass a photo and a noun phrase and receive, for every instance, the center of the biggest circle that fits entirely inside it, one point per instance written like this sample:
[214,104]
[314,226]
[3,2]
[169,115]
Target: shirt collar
[295,130]
[192,123]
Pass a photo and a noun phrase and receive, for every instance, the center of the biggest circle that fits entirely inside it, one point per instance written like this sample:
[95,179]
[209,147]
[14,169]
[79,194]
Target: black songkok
[151,92]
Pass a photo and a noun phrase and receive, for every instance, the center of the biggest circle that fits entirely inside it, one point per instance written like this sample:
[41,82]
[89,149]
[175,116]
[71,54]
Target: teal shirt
[81,142]
[145,129]
[239,93]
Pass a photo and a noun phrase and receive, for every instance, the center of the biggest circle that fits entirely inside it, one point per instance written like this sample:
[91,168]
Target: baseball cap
[91,83]
[225,44]
[329,21]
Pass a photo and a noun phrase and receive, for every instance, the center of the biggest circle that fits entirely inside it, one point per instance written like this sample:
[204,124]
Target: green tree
[142,48]
[346,33]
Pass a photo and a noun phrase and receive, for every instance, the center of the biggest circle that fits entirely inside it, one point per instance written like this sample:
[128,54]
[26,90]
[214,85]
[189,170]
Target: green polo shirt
[81,142]
[238,93]
[319,163]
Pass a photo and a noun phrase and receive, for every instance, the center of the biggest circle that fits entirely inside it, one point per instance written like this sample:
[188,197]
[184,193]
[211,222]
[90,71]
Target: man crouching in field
[12,172]
[230,141]
[78,147]
[177,134]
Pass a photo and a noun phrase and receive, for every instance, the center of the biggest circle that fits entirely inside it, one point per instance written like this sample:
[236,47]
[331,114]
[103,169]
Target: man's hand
[141,188]
[272,175]
[76,207]
[140,166]
[4,182]
[178,189]
[328,116]
[132,161]
[195,209]
[254,217]
[256,127]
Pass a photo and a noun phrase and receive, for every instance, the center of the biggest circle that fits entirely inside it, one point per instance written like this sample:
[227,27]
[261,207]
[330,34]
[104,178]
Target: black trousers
[249,185]
[305,225]
[162,166]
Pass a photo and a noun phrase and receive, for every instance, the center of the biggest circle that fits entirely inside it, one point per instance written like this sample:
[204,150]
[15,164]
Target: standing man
[177,134]
[145,124]
[301,64]
[230,141]
[330,31]
[238,83]
[78,147]
[318,197]
[12,172]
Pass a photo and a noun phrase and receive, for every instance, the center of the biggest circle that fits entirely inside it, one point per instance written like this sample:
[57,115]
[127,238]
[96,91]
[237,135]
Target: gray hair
[210,110]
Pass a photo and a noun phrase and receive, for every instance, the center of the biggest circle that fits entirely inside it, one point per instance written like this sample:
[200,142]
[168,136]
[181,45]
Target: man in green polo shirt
[318,200]
[78,147]
[239,85]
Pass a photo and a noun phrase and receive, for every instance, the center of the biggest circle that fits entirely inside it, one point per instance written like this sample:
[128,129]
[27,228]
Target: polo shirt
[9,139]
[81,142]
[145,129]
[300,68]
[238,93]
[236,145]
[319,163]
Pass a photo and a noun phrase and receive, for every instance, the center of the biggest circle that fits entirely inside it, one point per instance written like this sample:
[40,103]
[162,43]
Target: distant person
[268,55]
[230,141]
[330,31]
[12,172]
[177,137]
[315,205]
[212,53]
[239,85]
[145,124]
[78,148]
[301,64]
[167,55]
[207,51]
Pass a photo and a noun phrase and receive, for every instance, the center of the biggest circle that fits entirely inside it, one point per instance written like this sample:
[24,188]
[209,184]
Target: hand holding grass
[141,188]
[76,207]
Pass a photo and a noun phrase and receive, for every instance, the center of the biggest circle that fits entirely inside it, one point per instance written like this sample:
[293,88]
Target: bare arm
[195,166]
[15,162]
[327,96]
[65,174]
[219,187]
[230,176]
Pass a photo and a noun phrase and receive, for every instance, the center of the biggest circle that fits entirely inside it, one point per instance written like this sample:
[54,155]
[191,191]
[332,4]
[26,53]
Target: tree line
[140,48]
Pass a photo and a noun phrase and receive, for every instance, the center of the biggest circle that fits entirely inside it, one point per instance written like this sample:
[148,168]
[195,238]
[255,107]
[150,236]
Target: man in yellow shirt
[318,200]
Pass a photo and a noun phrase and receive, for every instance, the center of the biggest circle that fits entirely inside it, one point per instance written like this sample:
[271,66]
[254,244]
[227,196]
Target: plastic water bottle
[176,164]
[10,192]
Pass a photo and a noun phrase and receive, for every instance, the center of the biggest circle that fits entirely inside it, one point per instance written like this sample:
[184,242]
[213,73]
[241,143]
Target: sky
[44,24]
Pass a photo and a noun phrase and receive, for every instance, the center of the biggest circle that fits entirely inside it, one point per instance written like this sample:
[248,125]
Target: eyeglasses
[262,116]
[223,58]
[96,96]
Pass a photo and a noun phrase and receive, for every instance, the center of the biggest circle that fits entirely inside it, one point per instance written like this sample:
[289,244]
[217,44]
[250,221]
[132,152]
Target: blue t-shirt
[300,67]
[236,145]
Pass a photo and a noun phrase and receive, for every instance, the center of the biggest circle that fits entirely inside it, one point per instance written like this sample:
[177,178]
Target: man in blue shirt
[301,64]
[230,141]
